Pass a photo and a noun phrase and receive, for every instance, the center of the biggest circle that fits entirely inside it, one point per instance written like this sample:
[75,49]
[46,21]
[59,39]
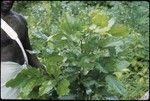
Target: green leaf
[54,70]
[19,79]
[121,65]
[100,19]
[100,68]
[86,64]
[70,24]
[62,88]
[54,59]
[34,90]
[119,30]
[34,94]
[26,80]
[108,63]
[28,87]
[45,87]
[116,85]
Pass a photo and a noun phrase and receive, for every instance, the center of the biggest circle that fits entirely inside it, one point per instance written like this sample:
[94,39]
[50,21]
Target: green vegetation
[91,51]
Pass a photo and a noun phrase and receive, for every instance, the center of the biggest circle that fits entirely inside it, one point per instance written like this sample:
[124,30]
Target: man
[12,55]
[10,51]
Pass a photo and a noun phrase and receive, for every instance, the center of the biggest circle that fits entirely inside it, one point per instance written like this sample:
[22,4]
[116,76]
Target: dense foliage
[90,50]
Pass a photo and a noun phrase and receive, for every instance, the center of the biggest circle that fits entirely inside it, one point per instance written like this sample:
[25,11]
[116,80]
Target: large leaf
[15,82]
[45,87]
[100,19]
[62,88]
[108,63]
[119,30]
[116,85]
[122,65]
[26,80]
[70,24]
[54,58]
[28,87]
[54,70]
[86,64]
[23,75]
[100,68]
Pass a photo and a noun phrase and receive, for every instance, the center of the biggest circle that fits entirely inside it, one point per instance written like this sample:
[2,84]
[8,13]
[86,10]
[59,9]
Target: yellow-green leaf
[45,88]
[100,19]
[62,88]
[119,30]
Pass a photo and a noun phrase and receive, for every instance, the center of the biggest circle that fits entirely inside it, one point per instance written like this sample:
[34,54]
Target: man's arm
[32,58]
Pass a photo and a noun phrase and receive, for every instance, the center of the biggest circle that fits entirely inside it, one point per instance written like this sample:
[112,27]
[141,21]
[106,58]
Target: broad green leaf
[55,59]
[108,63]
[119,30]
[70,24]
[63,87]
[58,41]
[34,94]
[54,70]
[65,25]
[104,30]
[100,19]
[86,64]
[19,79]
[26,91]
[116,85]
[33,72]
[100,68]
[45,87]
[24,78]
[28,87]
[15,82]
[121,65]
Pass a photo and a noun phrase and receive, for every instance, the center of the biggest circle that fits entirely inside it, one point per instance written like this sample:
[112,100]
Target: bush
[89,53]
